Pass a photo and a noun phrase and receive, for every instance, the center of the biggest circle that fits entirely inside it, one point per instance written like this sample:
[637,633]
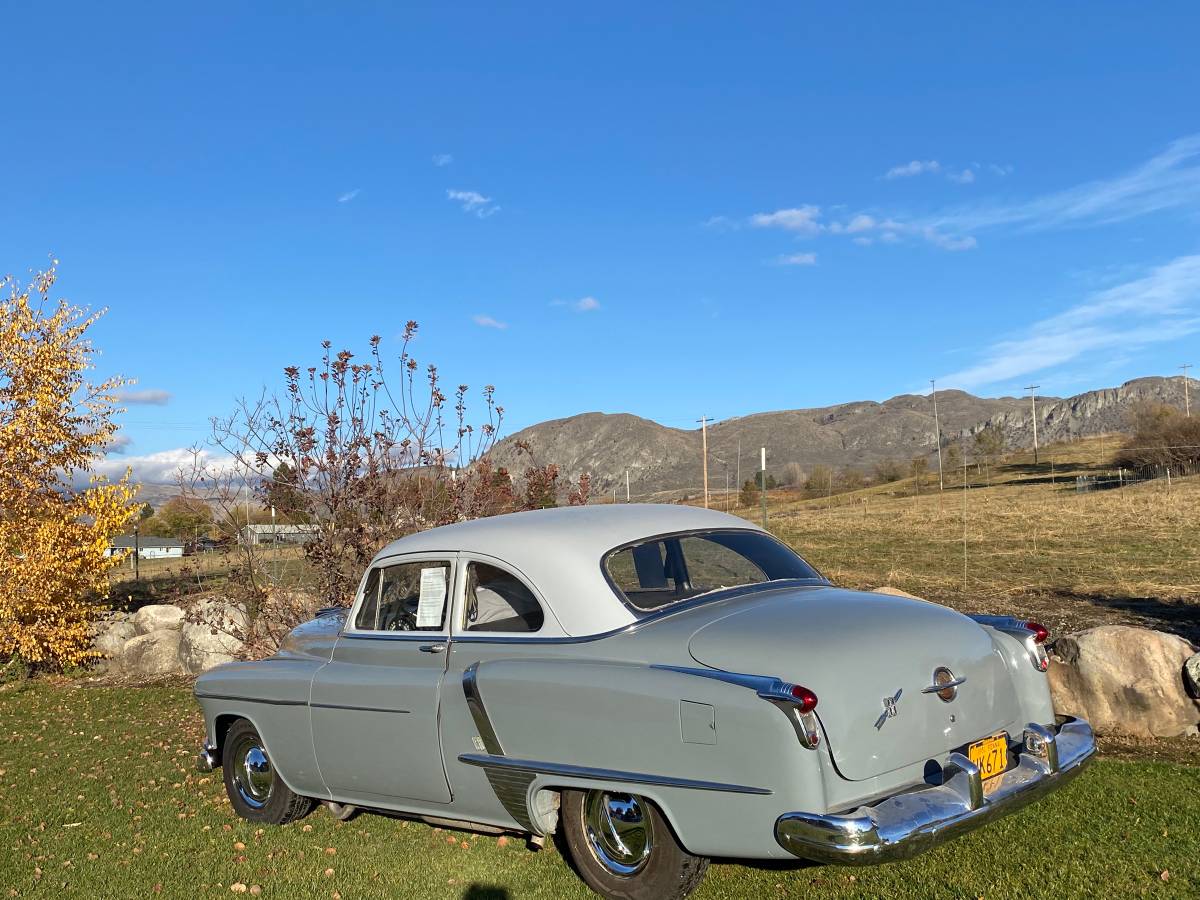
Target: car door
[374,705]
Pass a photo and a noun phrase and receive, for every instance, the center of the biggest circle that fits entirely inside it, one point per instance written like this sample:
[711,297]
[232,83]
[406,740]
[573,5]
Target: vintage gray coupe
[658,684]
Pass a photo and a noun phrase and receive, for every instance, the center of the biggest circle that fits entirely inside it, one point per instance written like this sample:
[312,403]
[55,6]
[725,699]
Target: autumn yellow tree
[56,518]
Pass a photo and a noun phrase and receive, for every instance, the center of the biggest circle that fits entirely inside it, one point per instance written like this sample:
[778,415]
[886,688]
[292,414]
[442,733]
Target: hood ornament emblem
[889,709]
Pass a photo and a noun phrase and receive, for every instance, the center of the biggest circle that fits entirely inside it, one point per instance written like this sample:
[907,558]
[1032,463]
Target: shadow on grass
[485,892]
[1179,618]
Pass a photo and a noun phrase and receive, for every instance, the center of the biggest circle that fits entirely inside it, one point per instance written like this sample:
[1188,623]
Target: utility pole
[937,433]
[704,439]
[763,492]
[1032,388]
[137,553]
[739,465]
[1187,403]
[626,485]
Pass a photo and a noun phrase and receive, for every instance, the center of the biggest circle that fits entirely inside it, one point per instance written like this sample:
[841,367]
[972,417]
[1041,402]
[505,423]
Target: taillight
[1040,632]
[805,699]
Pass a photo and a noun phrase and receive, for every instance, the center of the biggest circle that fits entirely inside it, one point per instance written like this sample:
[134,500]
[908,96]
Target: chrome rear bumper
[912,822]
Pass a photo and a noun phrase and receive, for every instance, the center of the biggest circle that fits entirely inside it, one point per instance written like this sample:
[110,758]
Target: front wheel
[623,847]
[255,790]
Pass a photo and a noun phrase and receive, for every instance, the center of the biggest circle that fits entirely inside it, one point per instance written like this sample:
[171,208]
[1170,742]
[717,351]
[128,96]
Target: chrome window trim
[565,770]
[349,629]
[817,578]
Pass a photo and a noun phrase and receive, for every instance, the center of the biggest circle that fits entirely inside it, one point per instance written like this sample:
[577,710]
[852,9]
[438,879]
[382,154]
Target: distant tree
[146,512]
[989,444]
[889,470]
[748,495]
[1163,437]
[180,517]
[850,479]
[918,466]
[820,480]
[758,480]
[952,458]
[282,492]
[793,475]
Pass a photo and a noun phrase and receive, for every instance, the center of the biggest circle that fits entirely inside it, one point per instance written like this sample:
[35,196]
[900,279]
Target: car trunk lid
[855,649]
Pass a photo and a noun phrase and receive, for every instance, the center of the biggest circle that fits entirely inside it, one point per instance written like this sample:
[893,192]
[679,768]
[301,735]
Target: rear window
[664,570]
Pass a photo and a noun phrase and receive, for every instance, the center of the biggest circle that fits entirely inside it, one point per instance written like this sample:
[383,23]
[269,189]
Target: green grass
[100,799]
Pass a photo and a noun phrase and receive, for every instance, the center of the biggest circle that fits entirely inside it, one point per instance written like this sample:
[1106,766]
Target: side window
[410,596]
[499,601]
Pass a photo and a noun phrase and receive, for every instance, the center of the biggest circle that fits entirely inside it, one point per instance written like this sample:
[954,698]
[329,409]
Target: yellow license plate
[990,754]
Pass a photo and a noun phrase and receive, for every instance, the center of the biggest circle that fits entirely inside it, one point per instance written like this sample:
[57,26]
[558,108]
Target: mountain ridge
[856,434]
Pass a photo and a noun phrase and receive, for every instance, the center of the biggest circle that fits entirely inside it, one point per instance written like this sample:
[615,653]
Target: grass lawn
[100,799]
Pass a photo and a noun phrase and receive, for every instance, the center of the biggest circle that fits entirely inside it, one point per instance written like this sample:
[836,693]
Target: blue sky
[668,210]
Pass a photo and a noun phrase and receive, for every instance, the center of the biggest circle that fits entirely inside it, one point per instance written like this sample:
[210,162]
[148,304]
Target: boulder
[111,635]
[1126,679]
[212,640]
[157,616]
[156,653]
[1191,674]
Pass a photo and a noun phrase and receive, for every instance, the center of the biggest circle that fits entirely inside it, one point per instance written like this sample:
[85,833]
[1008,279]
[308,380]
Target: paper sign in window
[432,599]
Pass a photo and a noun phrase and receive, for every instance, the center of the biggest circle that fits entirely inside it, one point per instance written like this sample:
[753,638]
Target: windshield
[664,570]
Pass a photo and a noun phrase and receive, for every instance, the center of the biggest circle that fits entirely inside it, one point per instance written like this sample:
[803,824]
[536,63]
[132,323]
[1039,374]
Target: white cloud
[582,305]
[966,176]
[442,159]
[1170,180]
[474,202]
[119,443]
[144,398]
[721,223]
[157,468]
[916,167]
[798,259]
[864,241]
[855,225]
[349,195]
[488,322]
[800,219]
[1003,170]
[1162,305]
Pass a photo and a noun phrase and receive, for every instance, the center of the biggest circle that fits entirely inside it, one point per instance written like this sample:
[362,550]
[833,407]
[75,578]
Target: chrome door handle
[433,648]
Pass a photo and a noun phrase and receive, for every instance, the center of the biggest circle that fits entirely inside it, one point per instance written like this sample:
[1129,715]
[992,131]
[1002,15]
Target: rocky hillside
[661,459]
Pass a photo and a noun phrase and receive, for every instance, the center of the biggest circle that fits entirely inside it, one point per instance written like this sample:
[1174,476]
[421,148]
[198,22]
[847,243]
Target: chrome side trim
[378,709]
[201,696]
[775,691]
[604,775]
[483,723]
[914,821]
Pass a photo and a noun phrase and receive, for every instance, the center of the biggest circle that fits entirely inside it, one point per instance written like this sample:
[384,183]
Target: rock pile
[159,640]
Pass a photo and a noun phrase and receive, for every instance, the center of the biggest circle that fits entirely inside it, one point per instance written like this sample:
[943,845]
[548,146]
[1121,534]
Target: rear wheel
[255,790]
[623,847]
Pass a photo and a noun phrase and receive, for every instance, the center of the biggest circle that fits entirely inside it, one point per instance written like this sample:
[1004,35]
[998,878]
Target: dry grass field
[1027,543]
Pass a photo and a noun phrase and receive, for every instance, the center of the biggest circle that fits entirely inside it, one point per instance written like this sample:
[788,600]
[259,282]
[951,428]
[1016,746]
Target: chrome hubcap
[619,831]
[252,773]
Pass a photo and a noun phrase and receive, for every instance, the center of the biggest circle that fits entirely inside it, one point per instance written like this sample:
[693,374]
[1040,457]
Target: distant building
[147,547]
[276,534]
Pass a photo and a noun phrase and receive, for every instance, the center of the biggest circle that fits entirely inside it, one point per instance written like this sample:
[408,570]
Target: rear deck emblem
[889,709]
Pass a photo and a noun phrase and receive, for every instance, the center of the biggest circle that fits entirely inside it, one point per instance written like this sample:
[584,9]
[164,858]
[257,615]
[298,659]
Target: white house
[147,547]
[276,534]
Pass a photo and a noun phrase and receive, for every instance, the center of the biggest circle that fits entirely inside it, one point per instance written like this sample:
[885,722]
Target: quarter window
[409,596]
[497,600]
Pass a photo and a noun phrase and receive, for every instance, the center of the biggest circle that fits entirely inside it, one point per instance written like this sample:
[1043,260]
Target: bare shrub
[363,457]
[1163,438]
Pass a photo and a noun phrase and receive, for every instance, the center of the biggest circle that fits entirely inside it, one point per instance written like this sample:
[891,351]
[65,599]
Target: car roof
[559,550]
